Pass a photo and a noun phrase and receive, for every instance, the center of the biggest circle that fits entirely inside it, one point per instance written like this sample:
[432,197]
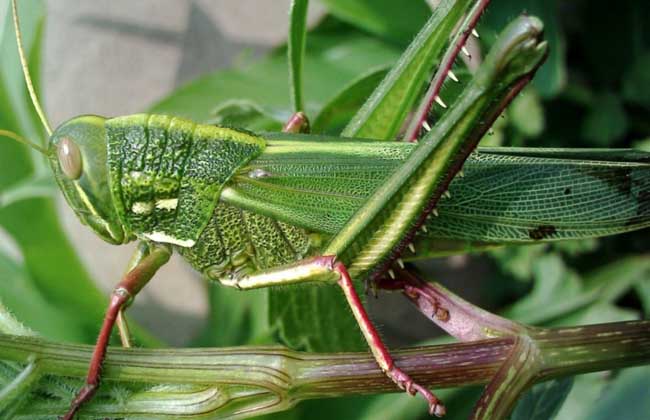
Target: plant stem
[266,379]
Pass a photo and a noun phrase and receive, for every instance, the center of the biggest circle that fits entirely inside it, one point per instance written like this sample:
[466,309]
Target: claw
[409,389]
[404,381]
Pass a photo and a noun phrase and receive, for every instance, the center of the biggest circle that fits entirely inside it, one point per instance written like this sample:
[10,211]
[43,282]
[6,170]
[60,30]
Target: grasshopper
[252,210]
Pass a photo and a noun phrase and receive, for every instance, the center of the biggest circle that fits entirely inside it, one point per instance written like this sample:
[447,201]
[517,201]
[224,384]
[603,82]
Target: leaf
[596,313]
[246,114]
[518,261]
[32,308]
[315,318]
[395,21]
[340,109]
[628,393]
[296,50]
[587,389]
[235,318]
[384,112]
[543,401]
[559,296]
[615,279]
[10,325]
[33,187]
[643,290]
[458,402]
[556,291]
[338,57]
[597,395]
[322,409]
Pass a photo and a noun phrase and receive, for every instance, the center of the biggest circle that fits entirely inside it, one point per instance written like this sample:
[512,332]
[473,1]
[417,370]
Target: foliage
[592,92]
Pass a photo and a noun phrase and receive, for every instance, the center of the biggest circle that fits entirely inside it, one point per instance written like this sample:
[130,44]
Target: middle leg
[326,269]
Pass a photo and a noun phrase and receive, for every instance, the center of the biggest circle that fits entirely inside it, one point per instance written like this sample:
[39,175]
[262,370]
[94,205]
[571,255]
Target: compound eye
[69,158]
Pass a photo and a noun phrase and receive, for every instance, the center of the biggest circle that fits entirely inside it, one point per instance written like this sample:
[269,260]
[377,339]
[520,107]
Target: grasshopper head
[77,153]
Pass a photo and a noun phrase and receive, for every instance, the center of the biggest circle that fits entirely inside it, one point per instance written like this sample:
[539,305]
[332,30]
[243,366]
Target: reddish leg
[123,293]
[327,270]
[378,348]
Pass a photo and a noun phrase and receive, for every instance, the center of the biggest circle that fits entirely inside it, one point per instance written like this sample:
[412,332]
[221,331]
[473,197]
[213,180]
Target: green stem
[255,380]
[511,380]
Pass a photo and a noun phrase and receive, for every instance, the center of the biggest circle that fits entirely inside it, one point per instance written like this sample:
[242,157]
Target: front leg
[326,269]
[145,265]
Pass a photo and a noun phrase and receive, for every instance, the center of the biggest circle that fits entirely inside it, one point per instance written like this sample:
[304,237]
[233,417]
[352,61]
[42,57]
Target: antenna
[23,140]
[28,79]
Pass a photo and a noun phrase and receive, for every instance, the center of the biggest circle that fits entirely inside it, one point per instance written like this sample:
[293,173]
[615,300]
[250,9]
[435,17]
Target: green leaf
[559,295]
[340,109]
[596,313]
[10,325]
[384,113]
[395,21]
[322,409]
[556,291]
[315,318]
[518,261]
[338,57]
[587,389]
[614,280]
[52,263]
[543,401]
[605,395]
[296,50]
[458,401]
[246,114]
[28,304]
[643,289]
[629,393]
[41,185]
[235,318]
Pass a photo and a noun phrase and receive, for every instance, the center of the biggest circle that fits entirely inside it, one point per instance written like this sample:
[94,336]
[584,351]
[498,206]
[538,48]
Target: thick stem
[536,353]
[511,380]
[274,378]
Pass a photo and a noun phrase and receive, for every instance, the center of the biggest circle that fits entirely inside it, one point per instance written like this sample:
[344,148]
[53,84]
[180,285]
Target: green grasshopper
[254,210]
